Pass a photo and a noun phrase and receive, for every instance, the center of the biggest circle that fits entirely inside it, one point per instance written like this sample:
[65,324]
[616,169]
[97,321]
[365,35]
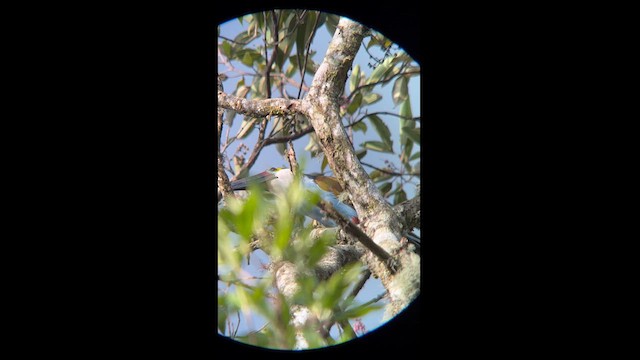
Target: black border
[124,179]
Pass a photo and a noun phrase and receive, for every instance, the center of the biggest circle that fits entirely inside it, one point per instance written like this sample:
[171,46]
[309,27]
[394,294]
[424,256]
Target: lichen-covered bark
[409,212]
[382,223]
[223,180]
[260,108]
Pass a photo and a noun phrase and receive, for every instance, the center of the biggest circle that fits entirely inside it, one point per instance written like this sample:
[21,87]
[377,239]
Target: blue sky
[270,157]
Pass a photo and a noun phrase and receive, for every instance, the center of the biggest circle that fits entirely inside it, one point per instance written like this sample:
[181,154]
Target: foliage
[245,297]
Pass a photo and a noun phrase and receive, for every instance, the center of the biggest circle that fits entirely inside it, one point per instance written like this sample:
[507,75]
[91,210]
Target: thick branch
[260,108]
[336,258]
[223,181]
[381,222]
[409,212]
[324,115]
[281,139]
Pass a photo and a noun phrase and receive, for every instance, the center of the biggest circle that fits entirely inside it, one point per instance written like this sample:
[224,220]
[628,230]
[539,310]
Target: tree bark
[381,222]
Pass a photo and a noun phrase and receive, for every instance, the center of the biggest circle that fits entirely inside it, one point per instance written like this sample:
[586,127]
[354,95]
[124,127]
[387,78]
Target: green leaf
[405,113]
[400,90]
[354,81]
[284,228]
[286,45]
[316,251]
[372,98]
[248,217]
[258,87]
[247,59]
[242,38]
[416,168]
[291,69]
[380,71]
[355,104]
[303,34]
[280,57]
[399,197]
[293,60]
[226,49]
[406,154]
[322,18]
[378,176]
[382,130]
[358,311]
[361,126]
[247,126]
[361,153]
[372,42]
[416,155]
[394,191]
[331,292]
[385,188]
[412,133]
[258,21]
[286,20]
[378,146]
[325,163]
[258,298]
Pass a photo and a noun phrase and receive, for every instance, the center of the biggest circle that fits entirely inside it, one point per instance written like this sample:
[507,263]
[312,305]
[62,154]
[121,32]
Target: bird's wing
[328,183]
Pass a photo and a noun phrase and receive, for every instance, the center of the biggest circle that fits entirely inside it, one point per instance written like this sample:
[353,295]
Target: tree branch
[256,150]
[295,136]
[378,218]
[388,172]
[223,180]
[261,107]
[306,57]
[409,212]
[382,81]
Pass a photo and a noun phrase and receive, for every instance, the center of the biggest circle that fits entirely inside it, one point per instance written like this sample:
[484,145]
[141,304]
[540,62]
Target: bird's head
[279,177]
[283,178]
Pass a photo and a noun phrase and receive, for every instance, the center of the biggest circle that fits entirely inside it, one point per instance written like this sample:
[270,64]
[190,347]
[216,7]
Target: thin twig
[363,279]
[294,136]
[256,150]
[375,299]
[381,81]
[387,171]
[235,332]
[274,54]
[415,118]
[237,42]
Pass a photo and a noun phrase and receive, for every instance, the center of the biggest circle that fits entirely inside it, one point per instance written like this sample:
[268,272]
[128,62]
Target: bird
[278,180]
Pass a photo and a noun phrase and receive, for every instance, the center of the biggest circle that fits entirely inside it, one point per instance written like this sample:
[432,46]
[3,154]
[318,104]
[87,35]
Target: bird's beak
[242,184]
